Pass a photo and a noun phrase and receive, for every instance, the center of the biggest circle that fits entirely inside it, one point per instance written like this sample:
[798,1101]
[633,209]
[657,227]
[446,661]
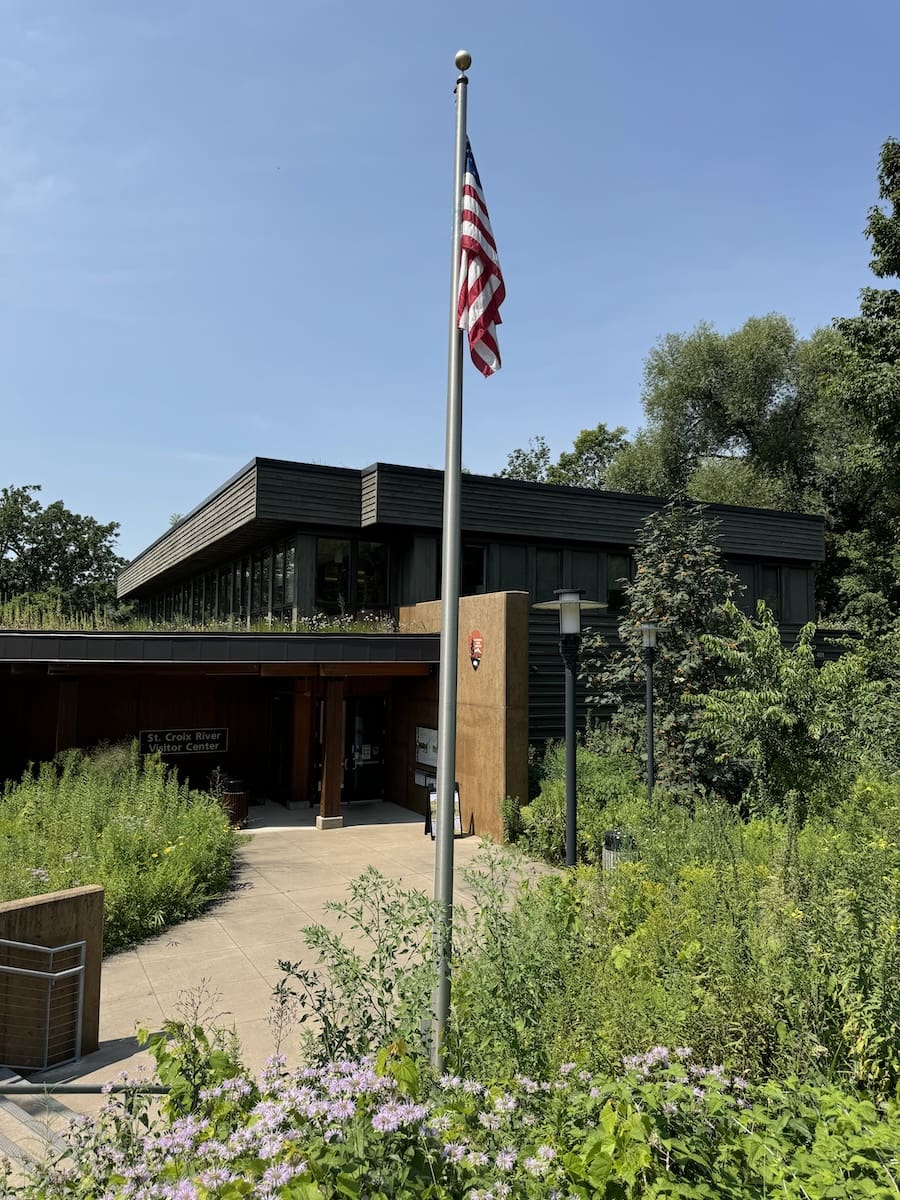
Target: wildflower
[216,1176]
[535,1166]
[454,1152]
[505,1159]
[546,1153]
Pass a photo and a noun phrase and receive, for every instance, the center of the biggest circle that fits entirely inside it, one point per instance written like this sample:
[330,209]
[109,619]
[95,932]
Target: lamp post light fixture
[648,642]
[570,605]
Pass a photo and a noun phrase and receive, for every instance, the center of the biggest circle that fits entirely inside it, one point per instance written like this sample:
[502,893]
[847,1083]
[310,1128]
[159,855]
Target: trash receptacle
[235,799]
[617,847]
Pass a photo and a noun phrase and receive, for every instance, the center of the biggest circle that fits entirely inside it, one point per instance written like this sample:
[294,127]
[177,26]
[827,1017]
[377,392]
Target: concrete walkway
[287,871]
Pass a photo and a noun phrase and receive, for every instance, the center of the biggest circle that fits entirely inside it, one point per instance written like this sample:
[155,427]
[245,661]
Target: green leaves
[54,552]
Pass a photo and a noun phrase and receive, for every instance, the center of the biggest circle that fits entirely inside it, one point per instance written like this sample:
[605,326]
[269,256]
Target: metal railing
[43,996]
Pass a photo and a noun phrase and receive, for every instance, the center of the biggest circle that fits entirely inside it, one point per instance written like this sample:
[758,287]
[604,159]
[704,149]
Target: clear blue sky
[224,227]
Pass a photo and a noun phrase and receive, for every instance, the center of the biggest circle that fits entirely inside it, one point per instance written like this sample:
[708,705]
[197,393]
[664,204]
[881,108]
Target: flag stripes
[481,287]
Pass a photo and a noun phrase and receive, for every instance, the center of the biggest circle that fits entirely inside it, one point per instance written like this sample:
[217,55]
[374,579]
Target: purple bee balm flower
[506,1159]
[216,1177]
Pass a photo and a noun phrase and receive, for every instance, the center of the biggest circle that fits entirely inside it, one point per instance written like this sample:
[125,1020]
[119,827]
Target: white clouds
[26,183]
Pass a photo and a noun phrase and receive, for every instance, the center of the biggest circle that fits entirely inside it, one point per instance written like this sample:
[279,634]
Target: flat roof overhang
[270,654]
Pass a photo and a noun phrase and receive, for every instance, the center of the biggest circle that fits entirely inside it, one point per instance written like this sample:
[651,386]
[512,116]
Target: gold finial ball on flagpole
[463,60]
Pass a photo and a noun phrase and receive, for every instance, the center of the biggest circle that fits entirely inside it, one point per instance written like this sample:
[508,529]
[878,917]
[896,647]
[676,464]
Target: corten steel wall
[413,702]
[54,919]
[492,702]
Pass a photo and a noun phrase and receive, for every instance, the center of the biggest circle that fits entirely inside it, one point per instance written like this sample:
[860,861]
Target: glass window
[513,569]
[768,589]
[371,577]
[196,610]
[746,601]
[471,580]
[245,587]
[547,574]
[222,594]
[289,578]
[332,574]
[797,595]
[586,573]
[264,597]
[278,581]
[209,597]
[619,569]
[256,587]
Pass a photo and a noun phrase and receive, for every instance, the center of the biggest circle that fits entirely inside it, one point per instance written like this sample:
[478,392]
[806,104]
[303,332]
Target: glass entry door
[365,731]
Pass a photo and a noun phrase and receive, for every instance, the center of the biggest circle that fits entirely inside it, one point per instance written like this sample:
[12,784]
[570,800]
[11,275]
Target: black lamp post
[569,605]
[648,641]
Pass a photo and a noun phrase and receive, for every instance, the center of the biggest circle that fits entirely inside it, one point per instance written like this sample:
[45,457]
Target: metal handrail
[81,1089]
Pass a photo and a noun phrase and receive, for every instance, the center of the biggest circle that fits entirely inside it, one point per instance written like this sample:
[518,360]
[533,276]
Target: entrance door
[365,729]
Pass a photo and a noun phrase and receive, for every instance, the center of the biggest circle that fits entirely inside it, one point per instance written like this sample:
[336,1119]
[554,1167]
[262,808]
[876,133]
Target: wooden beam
[302,743]
[376,670]
[333,764]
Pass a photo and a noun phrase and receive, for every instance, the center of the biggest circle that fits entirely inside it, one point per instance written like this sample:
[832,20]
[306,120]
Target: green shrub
[160,850]
[773,949]
[373,977]
[511,951]
[788,724]
[602,784]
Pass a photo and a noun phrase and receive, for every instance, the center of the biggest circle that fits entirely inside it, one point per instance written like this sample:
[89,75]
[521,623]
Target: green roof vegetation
[28,614]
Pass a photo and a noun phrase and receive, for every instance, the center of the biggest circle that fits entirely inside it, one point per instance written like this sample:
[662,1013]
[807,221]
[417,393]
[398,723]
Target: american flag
[481,289]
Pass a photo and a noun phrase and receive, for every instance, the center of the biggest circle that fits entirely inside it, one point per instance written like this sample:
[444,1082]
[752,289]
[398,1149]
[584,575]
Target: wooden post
[301,749]
[333,765]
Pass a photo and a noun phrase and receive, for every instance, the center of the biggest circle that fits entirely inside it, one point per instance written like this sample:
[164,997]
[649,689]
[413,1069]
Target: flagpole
[446,753]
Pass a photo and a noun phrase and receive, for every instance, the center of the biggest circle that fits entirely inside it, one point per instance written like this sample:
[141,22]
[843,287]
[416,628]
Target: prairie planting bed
[160,850]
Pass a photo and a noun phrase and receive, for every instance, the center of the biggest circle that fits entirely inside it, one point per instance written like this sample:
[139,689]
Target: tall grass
[25,613]
[160,850]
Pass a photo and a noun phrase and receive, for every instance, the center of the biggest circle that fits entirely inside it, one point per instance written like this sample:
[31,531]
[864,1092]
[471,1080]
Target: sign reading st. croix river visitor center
[183,741]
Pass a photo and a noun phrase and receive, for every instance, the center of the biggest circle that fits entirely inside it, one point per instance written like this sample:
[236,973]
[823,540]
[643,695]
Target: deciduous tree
[55,552]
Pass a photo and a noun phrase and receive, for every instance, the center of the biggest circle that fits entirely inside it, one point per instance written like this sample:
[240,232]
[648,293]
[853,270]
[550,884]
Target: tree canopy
[763,417]
[55,552]
[585,465]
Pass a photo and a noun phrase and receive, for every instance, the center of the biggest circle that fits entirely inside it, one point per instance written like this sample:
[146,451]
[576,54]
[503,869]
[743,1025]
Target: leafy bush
[601,783]
[788,724]
[770,948]
[373,979]
[511,951]
[160,851]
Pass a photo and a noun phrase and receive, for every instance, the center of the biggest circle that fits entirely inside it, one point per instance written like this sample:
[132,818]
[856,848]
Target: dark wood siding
[230,509]
[303,493]
[540,512]
[369,497]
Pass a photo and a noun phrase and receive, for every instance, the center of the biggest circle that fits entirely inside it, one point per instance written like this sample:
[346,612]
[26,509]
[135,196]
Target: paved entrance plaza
[287,871]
